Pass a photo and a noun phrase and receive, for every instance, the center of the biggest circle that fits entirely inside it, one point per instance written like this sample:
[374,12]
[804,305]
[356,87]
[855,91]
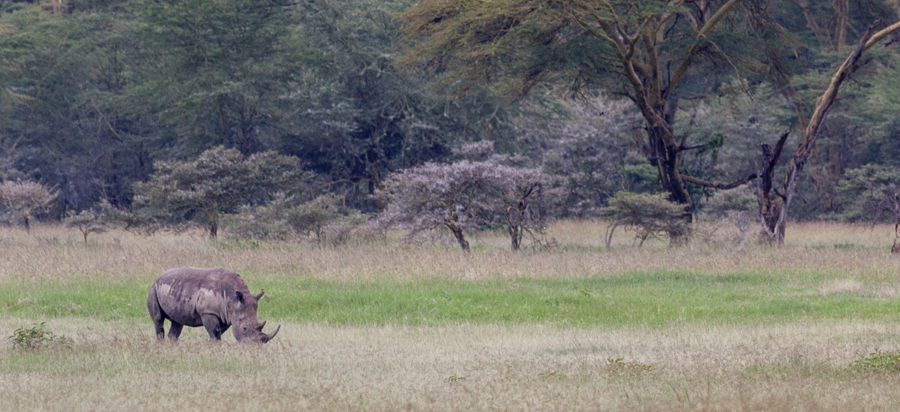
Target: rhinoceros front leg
[214,326]
[174,331]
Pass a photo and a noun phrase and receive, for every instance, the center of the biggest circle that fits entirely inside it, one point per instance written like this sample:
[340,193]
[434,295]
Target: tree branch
[689,59]
[717,185]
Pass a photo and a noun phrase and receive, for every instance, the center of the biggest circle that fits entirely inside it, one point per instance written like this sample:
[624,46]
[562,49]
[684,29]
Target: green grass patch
[642,299]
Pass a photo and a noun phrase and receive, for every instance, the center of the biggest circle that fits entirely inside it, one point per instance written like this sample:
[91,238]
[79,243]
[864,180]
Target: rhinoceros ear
[260,295]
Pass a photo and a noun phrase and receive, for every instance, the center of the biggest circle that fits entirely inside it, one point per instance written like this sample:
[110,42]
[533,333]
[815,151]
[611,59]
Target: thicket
[105,101]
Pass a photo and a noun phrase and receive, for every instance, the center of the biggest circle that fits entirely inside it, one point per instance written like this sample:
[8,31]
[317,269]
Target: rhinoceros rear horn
[271,335]
[261,325]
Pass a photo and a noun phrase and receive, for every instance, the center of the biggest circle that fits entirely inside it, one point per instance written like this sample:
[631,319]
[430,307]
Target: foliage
[218,73]
[64,116]
[87,221]
[466,195]
[36,337]
[878,361]
[324,217]
[650,51]
[871,193]
[23,200]
[649,214]
[263,222]
[218,182]
[585,151]
[367,117]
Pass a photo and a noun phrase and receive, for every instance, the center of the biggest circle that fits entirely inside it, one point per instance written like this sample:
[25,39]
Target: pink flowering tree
[466,196]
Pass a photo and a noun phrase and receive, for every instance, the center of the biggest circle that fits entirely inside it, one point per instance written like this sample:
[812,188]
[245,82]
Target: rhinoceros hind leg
[160,332]
[214,326]
[175,331]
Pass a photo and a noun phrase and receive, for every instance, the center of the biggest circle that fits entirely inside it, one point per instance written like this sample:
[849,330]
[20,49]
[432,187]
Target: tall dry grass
[57,255]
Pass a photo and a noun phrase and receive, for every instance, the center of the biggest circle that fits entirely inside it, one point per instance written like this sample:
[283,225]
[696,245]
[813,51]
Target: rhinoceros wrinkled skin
[214,298]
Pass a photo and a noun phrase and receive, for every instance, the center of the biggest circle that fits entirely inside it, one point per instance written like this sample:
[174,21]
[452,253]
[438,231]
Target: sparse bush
[268,222]
[620,367]
[324,218]
[312,217]
[93,220]
[23,200]
[727,208]
[648,214]
[36,337]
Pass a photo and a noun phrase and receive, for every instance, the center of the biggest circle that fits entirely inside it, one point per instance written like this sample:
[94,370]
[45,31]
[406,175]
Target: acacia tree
[774,201]
[25,199]
[465,195]
[646,50]
[218,182]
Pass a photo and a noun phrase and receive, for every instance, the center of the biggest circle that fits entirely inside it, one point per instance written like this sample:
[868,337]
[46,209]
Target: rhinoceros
[214,298]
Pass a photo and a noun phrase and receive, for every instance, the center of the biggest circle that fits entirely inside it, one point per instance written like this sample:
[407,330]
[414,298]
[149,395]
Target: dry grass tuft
[833,287]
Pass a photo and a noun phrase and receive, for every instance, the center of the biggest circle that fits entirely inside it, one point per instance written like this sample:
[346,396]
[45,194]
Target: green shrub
[36,337]
[877,361]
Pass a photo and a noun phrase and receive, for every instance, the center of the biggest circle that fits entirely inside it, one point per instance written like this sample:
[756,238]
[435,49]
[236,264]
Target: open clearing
[456,367]
[375,327]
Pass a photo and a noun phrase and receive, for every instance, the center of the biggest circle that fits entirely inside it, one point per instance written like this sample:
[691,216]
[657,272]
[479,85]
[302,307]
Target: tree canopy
[655,53]
[100,100]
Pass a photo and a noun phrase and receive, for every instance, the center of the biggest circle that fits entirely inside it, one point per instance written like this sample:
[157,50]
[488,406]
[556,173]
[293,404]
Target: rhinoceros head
[245,325]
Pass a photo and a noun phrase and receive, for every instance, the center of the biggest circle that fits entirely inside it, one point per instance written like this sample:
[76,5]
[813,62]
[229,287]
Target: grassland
[384,325]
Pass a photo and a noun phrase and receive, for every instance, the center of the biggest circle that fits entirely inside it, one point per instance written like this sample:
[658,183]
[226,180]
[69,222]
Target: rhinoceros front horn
[271,335]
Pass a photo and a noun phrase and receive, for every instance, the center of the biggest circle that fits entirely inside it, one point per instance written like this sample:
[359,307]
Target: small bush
[877,361]
[650,215]
[36,337]
[620,367]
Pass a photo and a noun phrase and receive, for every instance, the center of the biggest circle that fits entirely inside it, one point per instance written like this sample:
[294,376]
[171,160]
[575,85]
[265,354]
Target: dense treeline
[96,96]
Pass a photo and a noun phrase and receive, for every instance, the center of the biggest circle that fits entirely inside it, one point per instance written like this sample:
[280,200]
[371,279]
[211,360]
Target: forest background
[99,100]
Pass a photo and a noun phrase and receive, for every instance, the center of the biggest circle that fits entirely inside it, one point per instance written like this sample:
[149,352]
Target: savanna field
[383,325]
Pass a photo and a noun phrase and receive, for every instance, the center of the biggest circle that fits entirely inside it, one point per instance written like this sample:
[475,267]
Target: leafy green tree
[217,183]
[366,116]
[23,200]
[64,118]
[217,72]
[871,193]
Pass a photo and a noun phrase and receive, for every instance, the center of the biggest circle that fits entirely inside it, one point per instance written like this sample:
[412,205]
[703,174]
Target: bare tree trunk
[458,233]
[773,211]
[771,203]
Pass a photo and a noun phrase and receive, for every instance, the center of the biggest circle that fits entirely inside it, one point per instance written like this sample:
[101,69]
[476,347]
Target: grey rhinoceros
[214,298]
